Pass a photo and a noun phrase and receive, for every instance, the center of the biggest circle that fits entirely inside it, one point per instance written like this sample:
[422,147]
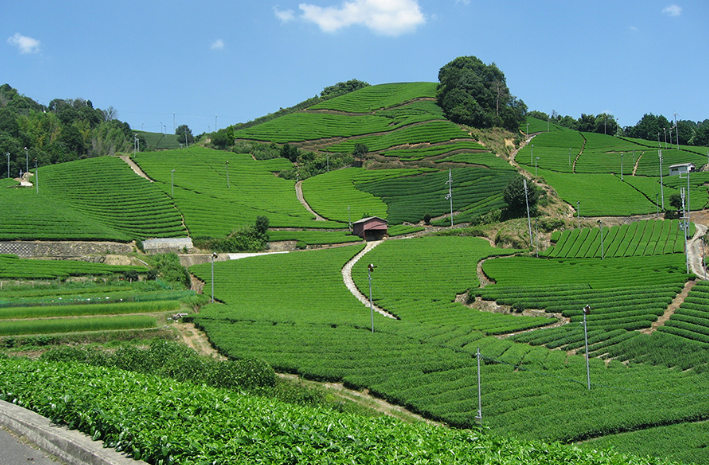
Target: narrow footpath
[136,169]
[349,282]
[301,199]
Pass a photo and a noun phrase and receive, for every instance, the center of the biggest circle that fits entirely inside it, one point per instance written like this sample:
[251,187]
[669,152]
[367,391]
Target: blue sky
[240,60]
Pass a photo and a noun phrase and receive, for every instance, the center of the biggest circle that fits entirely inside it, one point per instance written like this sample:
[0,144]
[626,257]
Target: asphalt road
[15,451]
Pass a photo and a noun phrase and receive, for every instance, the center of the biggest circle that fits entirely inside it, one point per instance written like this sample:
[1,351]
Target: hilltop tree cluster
[650,127]
[65,130]
[473,93]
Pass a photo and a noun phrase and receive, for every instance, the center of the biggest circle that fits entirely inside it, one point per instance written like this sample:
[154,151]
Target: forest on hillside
[64,130]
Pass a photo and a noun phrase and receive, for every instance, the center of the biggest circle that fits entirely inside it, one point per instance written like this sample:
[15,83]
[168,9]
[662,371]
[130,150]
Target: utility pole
[226,166]
[662,190]
[214,255]
[172,182]
[371,267]
[684,225]
[587,311]
[450,193]
[600,226]
[621,166]
[676,131]
[36,175]
[27,161]
[578,212]
[529,221]
[479,417]
[7,154]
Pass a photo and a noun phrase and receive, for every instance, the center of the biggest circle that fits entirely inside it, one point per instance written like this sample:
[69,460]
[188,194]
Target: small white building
[681,168]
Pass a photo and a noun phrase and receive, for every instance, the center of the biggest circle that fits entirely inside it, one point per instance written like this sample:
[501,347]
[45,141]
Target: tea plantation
[488,341]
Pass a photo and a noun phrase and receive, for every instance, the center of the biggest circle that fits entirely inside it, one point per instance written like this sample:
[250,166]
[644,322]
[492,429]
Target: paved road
[67,445]
[16,451]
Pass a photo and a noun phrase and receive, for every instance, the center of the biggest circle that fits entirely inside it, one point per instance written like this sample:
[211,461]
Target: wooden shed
[372,228]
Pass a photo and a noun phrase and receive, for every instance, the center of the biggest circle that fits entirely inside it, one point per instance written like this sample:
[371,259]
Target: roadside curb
[71,446]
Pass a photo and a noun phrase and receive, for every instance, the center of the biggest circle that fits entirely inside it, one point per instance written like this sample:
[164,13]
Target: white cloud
[673,10]
[633,28]
[285,15]
[464,2]
[386,17]
[217,44]
[24,44]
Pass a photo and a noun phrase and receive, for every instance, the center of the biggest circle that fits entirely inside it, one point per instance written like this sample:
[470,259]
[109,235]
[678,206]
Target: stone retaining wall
[63,249]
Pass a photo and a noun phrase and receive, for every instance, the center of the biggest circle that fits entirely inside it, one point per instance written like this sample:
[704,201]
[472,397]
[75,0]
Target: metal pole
[214,255]
[657,206]
[480,402]
[621,166]
[36,175]
[371,304]
[676,131]
[535,166]
[664,130]
[578,212]
[531,157]
[704,266]
[600,226]
[587,311]
[450,193]
[172,182]
[27,161]
[226,165]
[529,221]
[662,189]
[685,226]
[7,154]
[536,233]
[569,158]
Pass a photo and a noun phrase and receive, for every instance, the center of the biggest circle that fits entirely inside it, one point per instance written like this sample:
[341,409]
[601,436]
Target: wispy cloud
[672,10]
[284,15]
[385,17]
[464,2]
[25,44]
[633,28]
[217,44]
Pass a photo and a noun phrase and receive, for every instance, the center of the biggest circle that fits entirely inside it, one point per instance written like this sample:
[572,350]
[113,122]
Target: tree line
[64,130]
[650,127]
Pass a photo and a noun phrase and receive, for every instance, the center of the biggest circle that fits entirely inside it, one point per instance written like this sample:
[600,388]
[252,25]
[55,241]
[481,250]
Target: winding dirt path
[301,199]
[349,282]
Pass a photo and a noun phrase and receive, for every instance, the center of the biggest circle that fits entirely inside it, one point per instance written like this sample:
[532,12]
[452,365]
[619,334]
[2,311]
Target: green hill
[449,295]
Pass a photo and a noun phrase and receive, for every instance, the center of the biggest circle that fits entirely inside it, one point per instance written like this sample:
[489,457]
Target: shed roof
[370,218]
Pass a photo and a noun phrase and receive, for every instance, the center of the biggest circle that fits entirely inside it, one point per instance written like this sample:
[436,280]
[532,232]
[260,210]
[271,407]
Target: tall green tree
[473,93]
[514,196]
[184,134]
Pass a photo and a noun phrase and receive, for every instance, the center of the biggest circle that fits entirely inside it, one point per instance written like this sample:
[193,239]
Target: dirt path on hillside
[136,169]
[696,250]
[349,282]
[301,199]
[674,305]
